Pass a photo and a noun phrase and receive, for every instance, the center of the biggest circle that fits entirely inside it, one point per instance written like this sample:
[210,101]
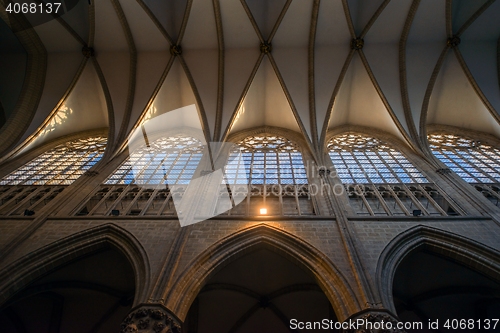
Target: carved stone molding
[151,318]
[374,322]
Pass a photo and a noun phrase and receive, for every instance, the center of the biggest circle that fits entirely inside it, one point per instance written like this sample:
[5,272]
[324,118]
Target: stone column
[151,318]
[373,321]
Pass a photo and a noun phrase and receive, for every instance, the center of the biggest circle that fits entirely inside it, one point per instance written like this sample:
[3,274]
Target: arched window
[139,186]
[170,160]
[380,180]
[35,184]
[269,159]
[474,161]
[61,165]
[363,159]
[272,172]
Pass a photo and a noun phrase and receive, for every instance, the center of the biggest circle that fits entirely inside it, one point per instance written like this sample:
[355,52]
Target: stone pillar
[373,321]
[151,318]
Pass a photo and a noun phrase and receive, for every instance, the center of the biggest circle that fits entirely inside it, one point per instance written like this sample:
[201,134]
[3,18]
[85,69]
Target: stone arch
[459,249]
[189,283]
[42,261]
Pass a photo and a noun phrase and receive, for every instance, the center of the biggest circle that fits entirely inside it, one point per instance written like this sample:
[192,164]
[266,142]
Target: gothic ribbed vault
[304,65]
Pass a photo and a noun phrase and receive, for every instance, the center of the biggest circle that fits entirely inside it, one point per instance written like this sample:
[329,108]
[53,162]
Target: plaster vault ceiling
[409,73]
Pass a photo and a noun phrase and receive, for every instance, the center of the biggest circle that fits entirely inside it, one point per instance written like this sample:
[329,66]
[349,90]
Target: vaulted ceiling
[304,65]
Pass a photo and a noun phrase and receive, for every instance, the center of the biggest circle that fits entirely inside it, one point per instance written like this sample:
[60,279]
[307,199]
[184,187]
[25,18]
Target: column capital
[151,318]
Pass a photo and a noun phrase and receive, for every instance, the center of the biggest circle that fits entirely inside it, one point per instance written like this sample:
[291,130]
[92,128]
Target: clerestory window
[32,186]
[167,160]
[61,165]
[140,185]
[270,176]
[474,161]
[363,159]
[267,159]
[380,181]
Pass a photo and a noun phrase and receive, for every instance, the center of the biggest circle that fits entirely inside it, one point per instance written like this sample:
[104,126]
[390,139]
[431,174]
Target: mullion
[44,176]
[454,151]
[278,167]
[153,159]
[388,167]
[453,162]
[400,166]
[167,174]
[143,167]
[472,157]
[87,153]
[490,161]
[412,177]
[52,167]
[166,171]
[349,169]
[183,172]
[373,165]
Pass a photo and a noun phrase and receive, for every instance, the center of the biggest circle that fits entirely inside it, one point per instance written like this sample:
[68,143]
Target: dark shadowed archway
[433,275]
[84,283]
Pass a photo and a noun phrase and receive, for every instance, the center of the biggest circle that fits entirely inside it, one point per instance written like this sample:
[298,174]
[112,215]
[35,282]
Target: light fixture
[417,212]
[263,211]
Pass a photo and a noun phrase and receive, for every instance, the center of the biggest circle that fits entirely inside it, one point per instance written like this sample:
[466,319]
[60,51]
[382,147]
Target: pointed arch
[462,250]
[189,283]
[38,263]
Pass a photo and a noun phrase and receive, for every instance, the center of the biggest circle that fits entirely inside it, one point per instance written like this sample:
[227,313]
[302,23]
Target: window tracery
[61,165]
[139,186]
[474,161]
[380,180]
[166,160]
[362,159]
[268,159]
[272,172]
[32,186]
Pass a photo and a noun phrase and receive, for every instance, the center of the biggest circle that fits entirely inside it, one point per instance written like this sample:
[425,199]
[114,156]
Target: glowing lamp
[263,211]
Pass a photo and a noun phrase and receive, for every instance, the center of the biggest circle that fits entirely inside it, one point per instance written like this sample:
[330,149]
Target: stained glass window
[364,159]
[474,161]
[267,159]
[167,160]
[61,165]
